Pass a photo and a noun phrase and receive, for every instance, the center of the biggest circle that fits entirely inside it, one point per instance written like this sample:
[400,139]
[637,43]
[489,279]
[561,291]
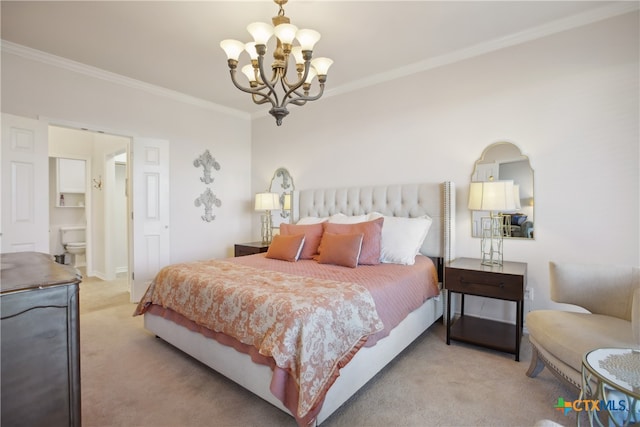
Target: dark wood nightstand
[467,276]
[242,249]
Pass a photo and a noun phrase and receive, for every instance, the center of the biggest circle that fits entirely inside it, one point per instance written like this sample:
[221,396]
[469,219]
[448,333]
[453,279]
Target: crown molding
[98,73]
[554,27]
[575,21]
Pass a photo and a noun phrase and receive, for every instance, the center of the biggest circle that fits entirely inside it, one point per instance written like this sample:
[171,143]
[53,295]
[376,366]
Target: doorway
[106,199]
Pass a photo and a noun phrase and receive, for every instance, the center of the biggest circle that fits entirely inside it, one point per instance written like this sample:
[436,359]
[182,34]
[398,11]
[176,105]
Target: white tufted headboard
[409,200]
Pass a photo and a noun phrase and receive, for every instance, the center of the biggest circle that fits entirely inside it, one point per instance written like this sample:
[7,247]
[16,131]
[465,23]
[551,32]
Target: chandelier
[275,87]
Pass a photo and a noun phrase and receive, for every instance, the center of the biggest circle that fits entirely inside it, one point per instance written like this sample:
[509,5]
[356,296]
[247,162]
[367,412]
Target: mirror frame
[282,183]
[488,166]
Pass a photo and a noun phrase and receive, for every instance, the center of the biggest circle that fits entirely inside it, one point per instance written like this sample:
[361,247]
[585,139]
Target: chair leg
[537,365]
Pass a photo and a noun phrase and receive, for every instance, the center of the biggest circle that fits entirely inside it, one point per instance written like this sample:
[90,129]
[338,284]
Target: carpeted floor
[131,378]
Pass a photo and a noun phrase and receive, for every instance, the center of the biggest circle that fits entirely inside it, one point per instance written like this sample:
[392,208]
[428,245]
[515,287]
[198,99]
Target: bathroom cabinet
[40,354]
[71,182]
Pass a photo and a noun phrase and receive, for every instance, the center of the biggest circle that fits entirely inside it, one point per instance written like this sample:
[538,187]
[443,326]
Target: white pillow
[311,220]
[341,218]
[402,238]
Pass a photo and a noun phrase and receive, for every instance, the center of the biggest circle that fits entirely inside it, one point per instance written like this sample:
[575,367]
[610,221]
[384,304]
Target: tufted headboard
[409,200]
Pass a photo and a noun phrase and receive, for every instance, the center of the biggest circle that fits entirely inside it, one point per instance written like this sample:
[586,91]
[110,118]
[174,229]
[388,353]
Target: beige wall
[568,101]
[33,88]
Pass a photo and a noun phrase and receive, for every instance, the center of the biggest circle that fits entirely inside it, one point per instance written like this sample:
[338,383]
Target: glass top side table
[612,377]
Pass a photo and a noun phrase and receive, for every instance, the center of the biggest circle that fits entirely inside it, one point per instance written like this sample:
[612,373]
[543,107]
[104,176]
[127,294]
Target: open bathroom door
[25,185]
[150,160]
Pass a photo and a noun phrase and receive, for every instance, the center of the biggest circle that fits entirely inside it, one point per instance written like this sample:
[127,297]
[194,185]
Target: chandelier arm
[264,99]
[267,83]
[252,91]
[293,87]
[302,99]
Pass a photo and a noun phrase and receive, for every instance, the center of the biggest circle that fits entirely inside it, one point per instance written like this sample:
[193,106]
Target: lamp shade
[260,32]
[307,38]
[322,65]
[267,201]
[233,48]
[285,33]
[492,196]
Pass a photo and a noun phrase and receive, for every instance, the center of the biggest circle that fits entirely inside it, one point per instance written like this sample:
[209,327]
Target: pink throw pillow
[341,249]
[286,248]
[312,236]
[372,231]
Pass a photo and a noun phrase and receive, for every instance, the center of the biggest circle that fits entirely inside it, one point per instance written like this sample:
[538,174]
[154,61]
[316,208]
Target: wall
[34,88]
[569,101]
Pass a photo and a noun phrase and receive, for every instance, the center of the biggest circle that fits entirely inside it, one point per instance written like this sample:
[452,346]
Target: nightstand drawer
[484,284]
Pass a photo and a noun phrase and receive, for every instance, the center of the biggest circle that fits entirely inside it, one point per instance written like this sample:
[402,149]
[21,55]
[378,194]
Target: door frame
[130,166]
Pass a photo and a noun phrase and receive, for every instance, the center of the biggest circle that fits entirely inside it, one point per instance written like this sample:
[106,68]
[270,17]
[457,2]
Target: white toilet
[73,239]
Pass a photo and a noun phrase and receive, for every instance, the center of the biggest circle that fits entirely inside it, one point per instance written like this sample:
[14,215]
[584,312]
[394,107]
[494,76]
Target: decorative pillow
[286,248]
[402,238]
[372,230]
[312,235]
[341,218]
[311,220]
[341,249]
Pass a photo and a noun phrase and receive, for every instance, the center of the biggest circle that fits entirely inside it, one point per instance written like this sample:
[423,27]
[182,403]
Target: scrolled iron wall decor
[207,199]
[207,161]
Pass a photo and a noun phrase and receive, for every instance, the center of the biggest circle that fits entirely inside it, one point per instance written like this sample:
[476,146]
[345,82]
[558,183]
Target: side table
[467,276]
[242,249]
[611,386]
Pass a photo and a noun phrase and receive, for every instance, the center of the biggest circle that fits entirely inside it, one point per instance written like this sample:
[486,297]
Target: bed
[378,336]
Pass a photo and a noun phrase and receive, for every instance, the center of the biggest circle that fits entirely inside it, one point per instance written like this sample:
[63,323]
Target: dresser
[40,378]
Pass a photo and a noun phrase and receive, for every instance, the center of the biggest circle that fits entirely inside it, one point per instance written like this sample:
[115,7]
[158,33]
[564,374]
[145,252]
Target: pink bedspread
[396,289]
[271,305]
[307,325]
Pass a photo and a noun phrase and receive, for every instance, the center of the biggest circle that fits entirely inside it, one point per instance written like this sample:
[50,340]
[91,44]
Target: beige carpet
[131,378]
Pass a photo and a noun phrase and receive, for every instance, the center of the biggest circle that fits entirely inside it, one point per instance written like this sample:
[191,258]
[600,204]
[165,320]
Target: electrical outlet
[528,294]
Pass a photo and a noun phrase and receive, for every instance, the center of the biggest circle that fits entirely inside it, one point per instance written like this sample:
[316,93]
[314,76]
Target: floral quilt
[307,325]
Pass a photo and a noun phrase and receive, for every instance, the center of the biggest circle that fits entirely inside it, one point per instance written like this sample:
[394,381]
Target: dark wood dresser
[40,382]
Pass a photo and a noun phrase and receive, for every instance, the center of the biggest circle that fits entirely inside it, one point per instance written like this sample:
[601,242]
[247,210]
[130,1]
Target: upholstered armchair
[559,339]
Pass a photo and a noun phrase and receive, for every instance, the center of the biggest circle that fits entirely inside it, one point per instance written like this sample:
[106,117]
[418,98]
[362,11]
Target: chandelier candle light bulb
[278,90]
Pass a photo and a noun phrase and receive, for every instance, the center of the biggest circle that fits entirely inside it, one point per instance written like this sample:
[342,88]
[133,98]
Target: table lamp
[494,197]
[266,202]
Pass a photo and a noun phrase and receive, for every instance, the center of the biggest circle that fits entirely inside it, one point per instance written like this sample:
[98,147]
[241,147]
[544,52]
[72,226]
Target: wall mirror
[282,184]
[505,161]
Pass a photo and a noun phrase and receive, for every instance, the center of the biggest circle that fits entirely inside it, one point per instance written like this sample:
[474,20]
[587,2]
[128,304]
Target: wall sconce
[492,196]
[266,202]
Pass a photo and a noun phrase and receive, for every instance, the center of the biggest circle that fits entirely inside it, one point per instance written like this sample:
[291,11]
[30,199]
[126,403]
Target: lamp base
[491,244]
[266,229]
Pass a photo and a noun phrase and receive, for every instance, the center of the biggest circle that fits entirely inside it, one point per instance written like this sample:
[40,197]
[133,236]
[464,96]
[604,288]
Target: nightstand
[242,249]
[467,276]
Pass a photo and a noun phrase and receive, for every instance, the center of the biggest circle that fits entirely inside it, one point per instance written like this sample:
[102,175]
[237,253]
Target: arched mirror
[282,184]
[504,161]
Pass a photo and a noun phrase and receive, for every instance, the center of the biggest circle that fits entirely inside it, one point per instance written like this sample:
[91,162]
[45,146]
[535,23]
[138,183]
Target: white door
[150,159]
[25,185]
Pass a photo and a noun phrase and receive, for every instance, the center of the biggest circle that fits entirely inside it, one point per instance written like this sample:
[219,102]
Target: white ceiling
[175,44]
